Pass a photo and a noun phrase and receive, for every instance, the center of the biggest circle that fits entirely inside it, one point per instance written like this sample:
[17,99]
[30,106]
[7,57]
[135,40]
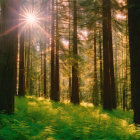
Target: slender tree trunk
[95,84]
[134,37]
[70,79]
[45,94]
[57,92]
[75,80]
[21,89]
[116,74]
[8,58]
[31,63]
[28,64]
[124,80]
[41,76]
[126,62]
[101,67]
[52,91]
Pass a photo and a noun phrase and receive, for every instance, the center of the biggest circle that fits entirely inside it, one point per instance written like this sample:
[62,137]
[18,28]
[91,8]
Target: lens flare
[31,18]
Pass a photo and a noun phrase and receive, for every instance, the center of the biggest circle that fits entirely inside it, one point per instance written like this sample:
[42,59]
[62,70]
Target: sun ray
[44,31]
[11,29]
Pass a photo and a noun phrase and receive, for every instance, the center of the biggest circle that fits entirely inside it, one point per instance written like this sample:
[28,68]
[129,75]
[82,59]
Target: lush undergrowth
[39,119]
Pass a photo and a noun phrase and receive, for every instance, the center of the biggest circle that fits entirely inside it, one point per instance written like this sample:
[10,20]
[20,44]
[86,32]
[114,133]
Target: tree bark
[109,95]
[8,57]
[134,40]
[21,89]
[57,92]
[95,84]
[101,67]
[52,91]
[45,94]
[75,80]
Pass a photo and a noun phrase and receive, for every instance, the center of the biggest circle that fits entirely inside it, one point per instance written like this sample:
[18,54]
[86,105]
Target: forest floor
[40,119]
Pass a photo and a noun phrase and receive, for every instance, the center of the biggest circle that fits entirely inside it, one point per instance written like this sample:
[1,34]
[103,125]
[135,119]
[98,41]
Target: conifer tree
[8,56]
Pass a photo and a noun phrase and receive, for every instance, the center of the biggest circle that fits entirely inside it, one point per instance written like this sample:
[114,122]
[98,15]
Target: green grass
[40,119]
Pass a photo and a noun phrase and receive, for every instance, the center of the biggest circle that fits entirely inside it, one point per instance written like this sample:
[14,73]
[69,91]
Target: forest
[69,69]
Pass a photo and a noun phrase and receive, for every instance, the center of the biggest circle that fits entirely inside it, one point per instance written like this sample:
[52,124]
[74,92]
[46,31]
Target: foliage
[40,119]
[2,2]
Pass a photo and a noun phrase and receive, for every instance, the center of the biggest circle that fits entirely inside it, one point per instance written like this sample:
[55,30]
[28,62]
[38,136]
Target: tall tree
[101,66]
[28,52]
[57,92]
[21,89]
[70,79]
[109,97]
[8,56]
[134,37]
[75,80]
[44,77]
[95,84]
[52,93]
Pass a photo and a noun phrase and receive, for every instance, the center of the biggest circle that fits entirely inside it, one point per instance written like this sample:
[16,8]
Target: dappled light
[49,120]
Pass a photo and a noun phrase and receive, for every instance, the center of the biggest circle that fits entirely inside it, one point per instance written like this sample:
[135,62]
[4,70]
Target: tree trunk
[8,58]
[52,91]
[57,92]
[75,80]
[28,63]
[95,84]
[21,89]
[101,67]
[70,79]
[109,96]
[134,37]
[45,94]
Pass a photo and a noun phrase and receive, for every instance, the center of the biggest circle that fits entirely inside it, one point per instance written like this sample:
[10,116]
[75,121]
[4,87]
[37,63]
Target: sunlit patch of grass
[41,119]
[86,104]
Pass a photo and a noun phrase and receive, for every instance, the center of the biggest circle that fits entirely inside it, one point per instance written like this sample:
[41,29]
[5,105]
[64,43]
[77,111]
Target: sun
[31,18]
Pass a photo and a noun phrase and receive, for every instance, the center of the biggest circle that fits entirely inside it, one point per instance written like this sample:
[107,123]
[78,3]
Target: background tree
[109,97]
[75,79]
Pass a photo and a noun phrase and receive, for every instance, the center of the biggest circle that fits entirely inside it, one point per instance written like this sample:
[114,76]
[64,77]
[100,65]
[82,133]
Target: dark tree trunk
[116,75]
[21,89]
[31,62]
[109,97]
[45,94]
[75,81]
[8,58]
[134,37]
[124,73]
[57,92]
[52,91]
[70,79]
[112,78]
[41,76]
[101,67]
[95,84]
[126,68]
[28,64]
